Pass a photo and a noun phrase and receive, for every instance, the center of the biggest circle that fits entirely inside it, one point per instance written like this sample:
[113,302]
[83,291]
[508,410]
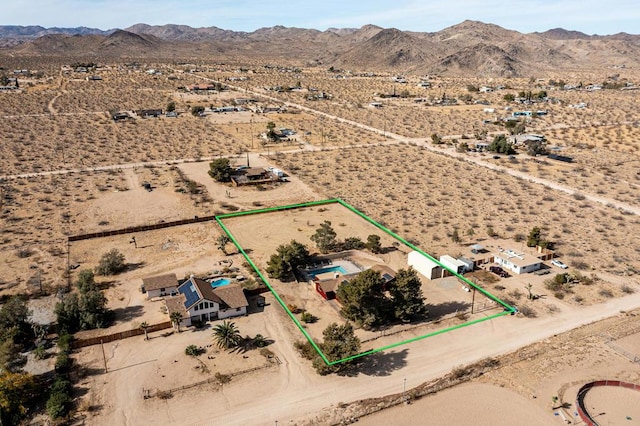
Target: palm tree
[176,318]
[226,335]
[144,327]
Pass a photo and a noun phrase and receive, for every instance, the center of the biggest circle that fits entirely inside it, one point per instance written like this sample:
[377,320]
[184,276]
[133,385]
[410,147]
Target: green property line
[278,208]
[408,244]
[415,339]
[275,293]
[508,309]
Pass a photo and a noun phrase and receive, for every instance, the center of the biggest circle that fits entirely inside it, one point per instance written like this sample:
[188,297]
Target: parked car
[499,271]
[559,264]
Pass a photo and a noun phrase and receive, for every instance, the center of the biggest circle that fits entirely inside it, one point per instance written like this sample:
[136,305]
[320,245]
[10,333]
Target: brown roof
[160,281]
[232,295]
[204,289]
[384,270]
[176,304]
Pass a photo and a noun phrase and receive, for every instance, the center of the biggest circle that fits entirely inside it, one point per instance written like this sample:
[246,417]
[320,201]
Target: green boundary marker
[508,310]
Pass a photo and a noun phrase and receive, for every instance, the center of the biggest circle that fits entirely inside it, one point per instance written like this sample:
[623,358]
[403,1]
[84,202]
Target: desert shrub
[627,289]
[353,243]
[517,294]
[193,350]
[164,394]
[266,353]
[112,262]
[527,311]
[605,292]
[259,341]
[308,318]
[558,295]
[578,299]
[223,378]
[63,362]
[305,349]
[39,352]
[499,287]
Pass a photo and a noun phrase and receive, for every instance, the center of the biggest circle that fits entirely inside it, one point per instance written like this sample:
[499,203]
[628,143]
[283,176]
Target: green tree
[363,299]
[287,258]
[536,148]
[325,237]
[196,110]
[353,243]
[226,335]
[501,145]
[373,243]
[111,263]
[436,139]
[406,295]
[176,319]
[11,360]
[16,392]
[534,237]
[171,106]
[339,342]
[509,97]
[455,236]
[84,310]
[220,170]
[14,322]
[271,133]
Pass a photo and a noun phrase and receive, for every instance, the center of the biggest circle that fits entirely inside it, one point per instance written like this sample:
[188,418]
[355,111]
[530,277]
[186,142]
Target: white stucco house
[520,263]
[198,300]
[160,286]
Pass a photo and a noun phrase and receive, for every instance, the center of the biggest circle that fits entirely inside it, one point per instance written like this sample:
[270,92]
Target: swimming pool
[220,282]
[337,268]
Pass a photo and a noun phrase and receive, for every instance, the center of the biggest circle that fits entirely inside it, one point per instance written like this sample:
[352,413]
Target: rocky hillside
[469,48]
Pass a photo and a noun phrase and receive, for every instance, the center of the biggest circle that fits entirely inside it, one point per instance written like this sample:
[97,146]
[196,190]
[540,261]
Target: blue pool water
[220,282]
[336,268]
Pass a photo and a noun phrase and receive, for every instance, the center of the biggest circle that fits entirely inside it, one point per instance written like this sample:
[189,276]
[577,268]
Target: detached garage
[424,265]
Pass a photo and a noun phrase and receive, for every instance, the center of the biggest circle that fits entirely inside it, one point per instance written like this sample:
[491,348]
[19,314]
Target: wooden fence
[81,343]
[141,228]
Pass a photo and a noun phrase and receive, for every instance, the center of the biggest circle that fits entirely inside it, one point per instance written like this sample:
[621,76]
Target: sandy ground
[613,406]
[478,404]
[412,191]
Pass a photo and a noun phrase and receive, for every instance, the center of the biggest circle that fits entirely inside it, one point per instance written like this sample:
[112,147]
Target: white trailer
[425,266]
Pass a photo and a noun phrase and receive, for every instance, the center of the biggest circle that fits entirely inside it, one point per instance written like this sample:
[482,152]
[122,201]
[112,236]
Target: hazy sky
[589,16]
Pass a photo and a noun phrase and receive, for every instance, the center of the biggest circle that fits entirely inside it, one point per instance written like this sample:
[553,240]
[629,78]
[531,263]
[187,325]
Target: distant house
[252,176]
[94,78]
[198,300]
[526,139]
[148,113]
[520,263]
[375,105]
[160,286]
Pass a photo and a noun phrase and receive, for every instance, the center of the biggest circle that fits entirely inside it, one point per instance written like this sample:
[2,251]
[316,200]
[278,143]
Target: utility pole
[404,389]
[104,357]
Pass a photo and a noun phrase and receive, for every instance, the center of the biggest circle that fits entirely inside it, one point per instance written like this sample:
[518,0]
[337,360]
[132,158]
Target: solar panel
[190,294]
[387,277]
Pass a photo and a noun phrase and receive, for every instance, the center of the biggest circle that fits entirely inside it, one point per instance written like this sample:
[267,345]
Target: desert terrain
[68,168]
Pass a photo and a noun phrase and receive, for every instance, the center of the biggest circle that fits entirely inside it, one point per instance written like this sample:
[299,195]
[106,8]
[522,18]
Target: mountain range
[470,47]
